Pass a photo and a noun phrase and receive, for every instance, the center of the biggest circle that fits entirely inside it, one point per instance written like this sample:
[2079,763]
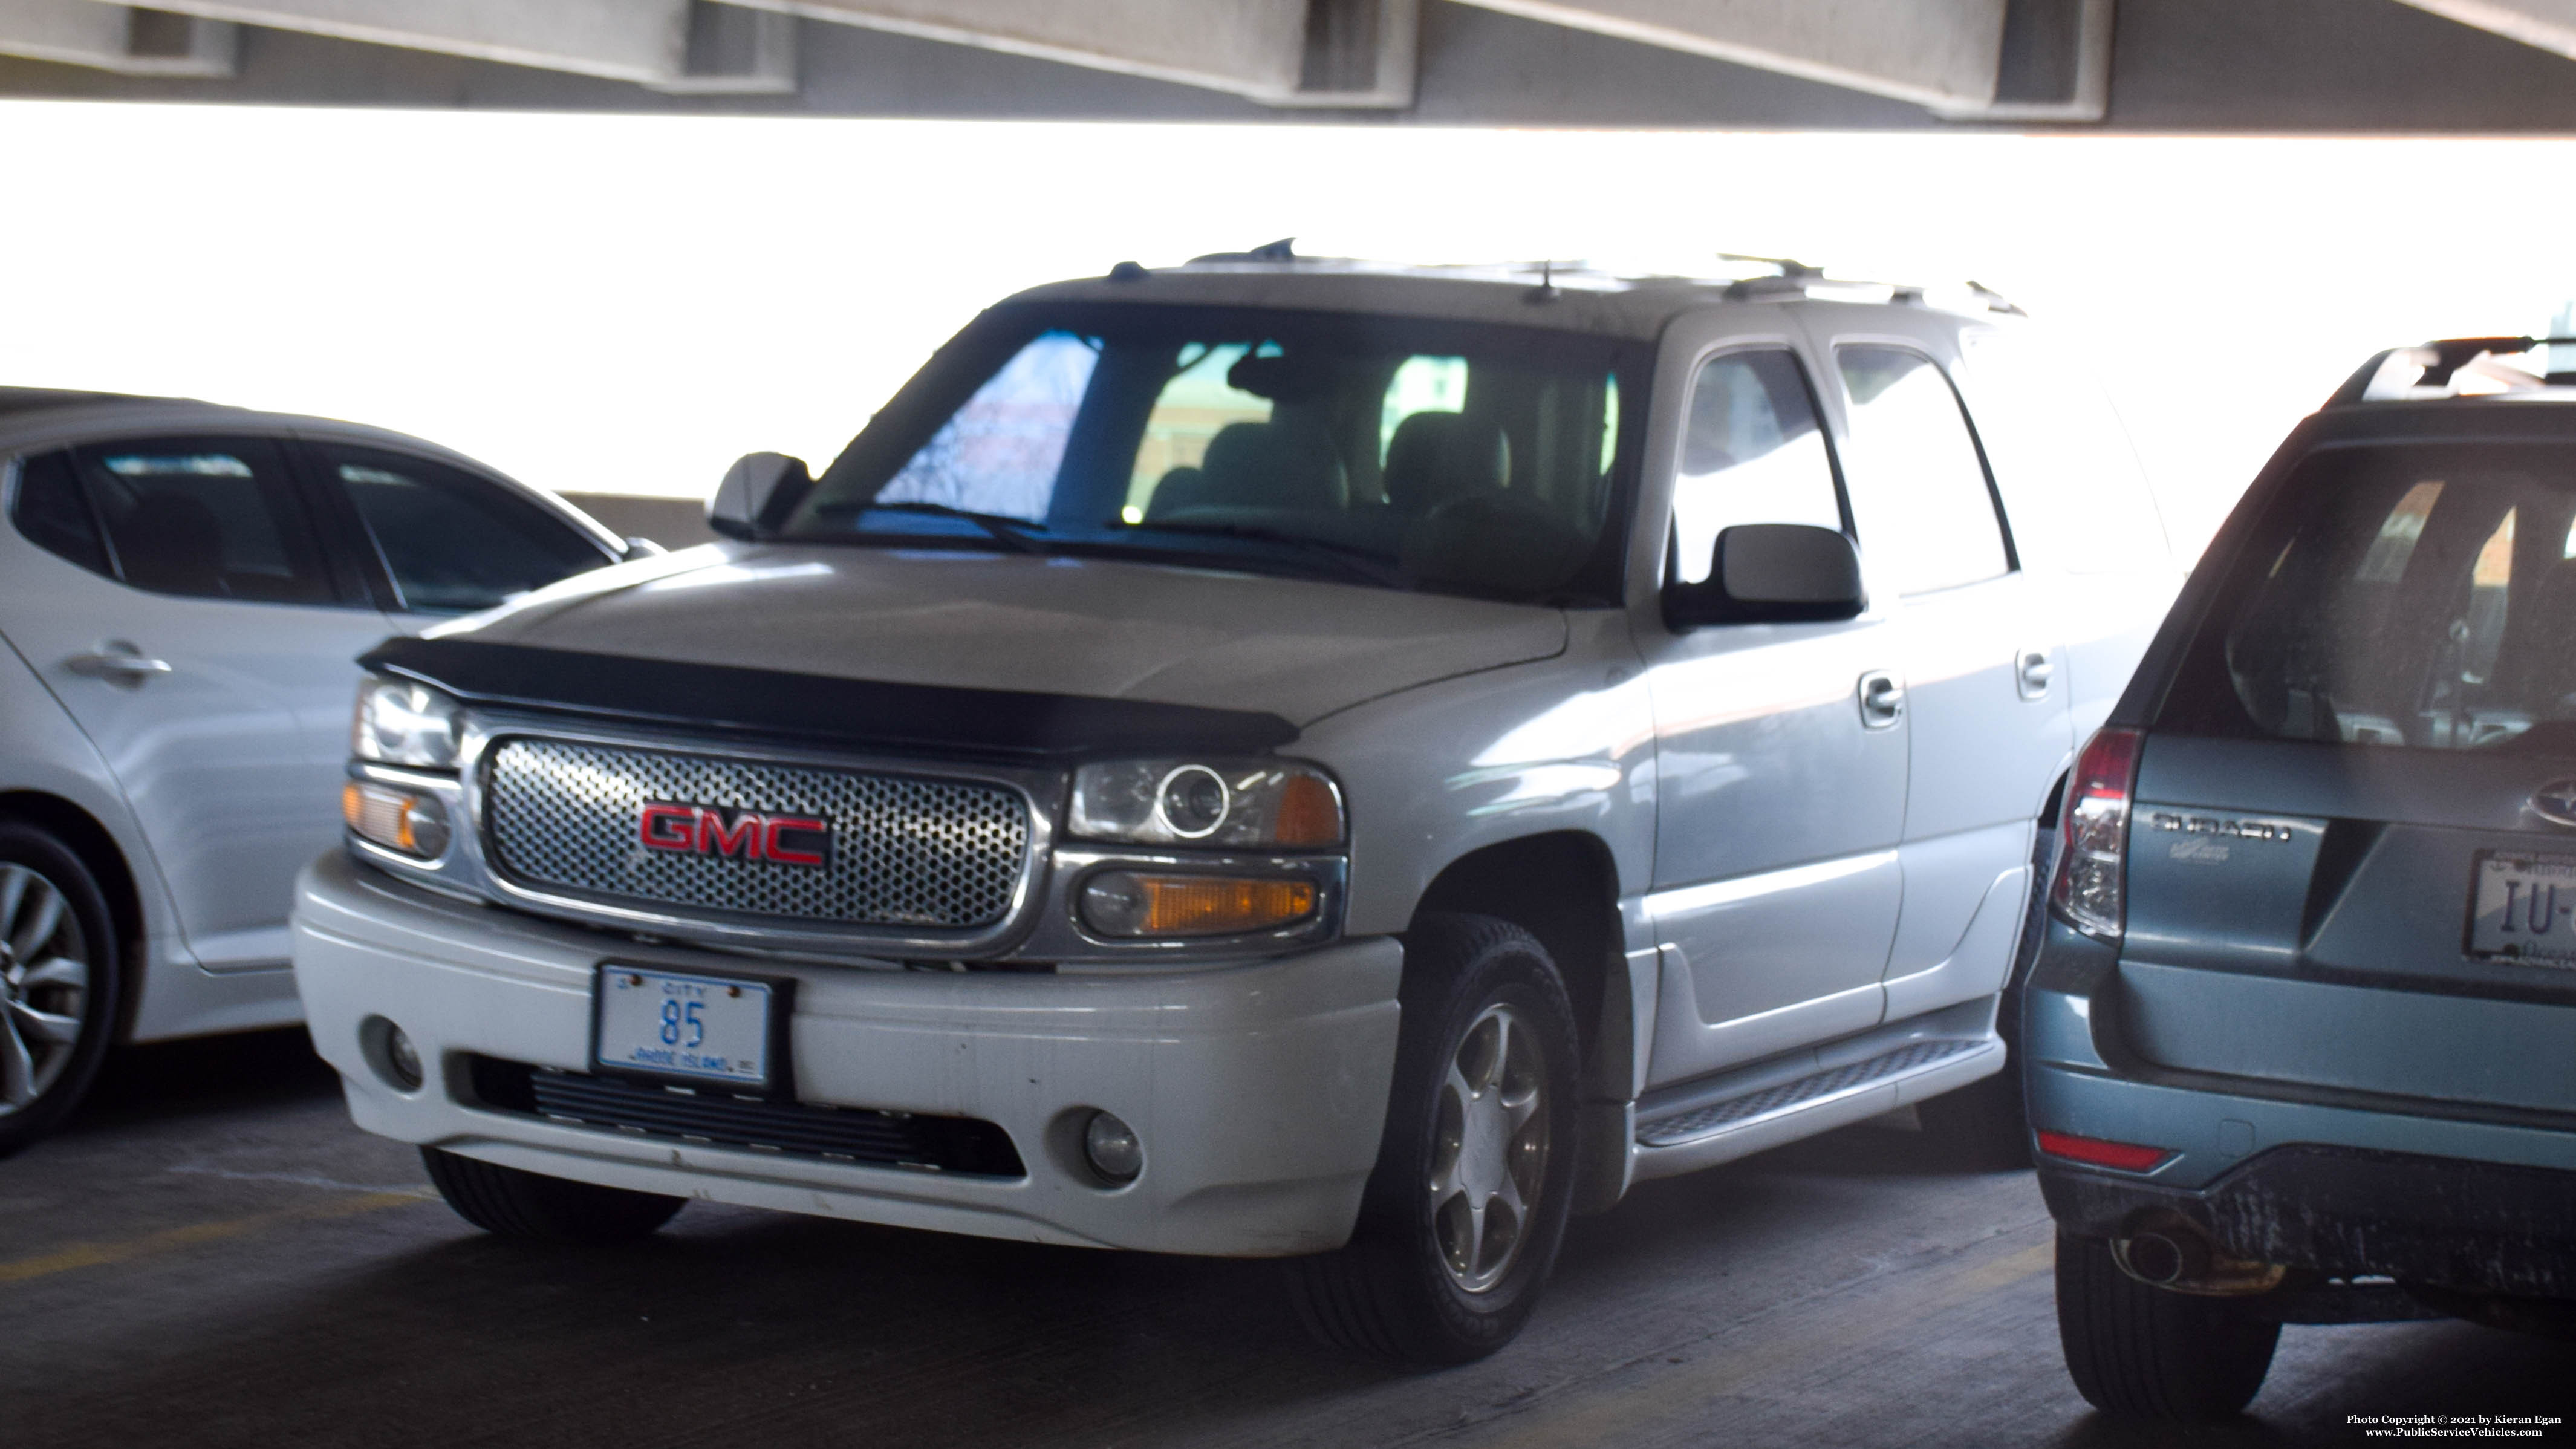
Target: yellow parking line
[93,1255]
[1614,1415]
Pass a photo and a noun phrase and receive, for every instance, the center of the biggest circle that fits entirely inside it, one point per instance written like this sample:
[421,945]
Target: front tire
[61,986]
[512,1203]
[2137,1352]
[1460,1222]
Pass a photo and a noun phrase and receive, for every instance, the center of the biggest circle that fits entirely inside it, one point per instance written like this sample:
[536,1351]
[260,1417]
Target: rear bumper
[1258,1090]
[2425,1192]
[2425,1221]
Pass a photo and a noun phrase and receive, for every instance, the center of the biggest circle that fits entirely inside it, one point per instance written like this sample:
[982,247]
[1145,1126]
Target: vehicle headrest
[1435,457]
[1264,465]
[172,543]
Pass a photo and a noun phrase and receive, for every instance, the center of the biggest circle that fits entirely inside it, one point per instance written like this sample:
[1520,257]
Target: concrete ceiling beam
[631,40]
[1939,53]
[2547,24]
[1281,52]
[117,38]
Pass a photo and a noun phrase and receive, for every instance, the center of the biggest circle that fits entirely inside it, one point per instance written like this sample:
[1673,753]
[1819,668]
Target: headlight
[402,723]
[1259,804]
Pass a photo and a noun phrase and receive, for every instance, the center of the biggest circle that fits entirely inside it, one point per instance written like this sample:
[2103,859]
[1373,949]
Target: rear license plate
[683,1025]
[2523,908]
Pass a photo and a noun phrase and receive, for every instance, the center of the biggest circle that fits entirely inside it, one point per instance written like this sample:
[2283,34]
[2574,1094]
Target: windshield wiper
[1012,531]
[1349,558]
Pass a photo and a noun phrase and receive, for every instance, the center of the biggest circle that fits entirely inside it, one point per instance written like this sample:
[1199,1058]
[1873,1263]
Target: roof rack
[2436,367]
[1282,250]
[1794,278]
[1787,277]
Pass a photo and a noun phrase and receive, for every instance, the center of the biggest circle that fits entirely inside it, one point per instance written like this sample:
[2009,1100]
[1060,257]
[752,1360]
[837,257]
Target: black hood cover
[908,718]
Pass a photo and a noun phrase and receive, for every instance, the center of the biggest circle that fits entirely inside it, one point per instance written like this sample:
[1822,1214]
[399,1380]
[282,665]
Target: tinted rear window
[2412,597]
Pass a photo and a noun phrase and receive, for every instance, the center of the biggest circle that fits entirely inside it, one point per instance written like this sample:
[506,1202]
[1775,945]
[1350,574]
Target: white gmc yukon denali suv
[1267,757]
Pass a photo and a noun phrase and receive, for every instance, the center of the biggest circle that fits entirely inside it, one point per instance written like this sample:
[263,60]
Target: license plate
[2523,908]
[682,1025]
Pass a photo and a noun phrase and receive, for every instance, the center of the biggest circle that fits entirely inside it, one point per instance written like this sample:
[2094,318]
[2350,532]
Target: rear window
[2400,597]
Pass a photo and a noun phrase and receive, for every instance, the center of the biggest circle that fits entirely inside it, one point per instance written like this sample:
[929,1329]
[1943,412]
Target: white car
[184,589]
[1267,757]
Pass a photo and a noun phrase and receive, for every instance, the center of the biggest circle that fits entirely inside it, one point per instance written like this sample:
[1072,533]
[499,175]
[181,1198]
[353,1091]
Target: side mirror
[1772,573]
[757,490]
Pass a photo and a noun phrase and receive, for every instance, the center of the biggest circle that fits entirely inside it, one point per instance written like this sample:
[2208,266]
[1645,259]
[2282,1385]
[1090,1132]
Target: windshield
[1456,457]
[2402,596]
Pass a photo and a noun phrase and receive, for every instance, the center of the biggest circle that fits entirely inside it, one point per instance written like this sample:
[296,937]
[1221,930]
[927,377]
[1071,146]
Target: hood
[1109,629]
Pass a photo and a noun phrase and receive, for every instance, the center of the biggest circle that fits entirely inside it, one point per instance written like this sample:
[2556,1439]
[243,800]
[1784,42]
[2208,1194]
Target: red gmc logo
[748,834]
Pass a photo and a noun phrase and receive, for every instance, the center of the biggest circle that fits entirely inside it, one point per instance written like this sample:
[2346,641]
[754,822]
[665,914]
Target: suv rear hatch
[2343,866]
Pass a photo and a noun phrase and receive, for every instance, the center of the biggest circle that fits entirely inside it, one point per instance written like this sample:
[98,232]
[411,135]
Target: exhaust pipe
[2163,1259]
[2170,1251]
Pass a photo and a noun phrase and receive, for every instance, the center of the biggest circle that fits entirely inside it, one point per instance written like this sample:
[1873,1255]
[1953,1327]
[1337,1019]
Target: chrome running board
[1702,1124]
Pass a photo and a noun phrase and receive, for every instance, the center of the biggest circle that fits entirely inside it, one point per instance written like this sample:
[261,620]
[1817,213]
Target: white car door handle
[2036,671]
[118,663]
[1882,700]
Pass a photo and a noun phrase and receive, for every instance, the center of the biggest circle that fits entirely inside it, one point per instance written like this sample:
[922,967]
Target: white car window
[1753,454]
[1918,486]
[2062,459]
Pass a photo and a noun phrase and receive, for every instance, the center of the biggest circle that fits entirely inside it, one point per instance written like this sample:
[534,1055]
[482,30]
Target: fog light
[1126,903]
[404,1058]
[390,1052]
[1110,1146]
[416,825]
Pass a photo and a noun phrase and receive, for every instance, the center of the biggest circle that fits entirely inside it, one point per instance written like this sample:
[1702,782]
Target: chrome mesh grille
[906,851]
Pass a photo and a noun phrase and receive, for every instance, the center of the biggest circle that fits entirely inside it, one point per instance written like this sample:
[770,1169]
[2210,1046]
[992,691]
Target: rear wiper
[1012,531]
[1352,560]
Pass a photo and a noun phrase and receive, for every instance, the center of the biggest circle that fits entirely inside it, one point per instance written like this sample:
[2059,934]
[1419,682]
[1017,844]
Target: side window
[451,542]
[1918,486]
[2062,459]
[1753,453]
[214,518]
[48,508]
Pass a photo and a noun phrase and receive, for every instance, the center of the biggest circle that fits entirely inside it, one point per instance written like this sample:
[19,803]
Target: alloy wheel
[44,985]
[1489,1148]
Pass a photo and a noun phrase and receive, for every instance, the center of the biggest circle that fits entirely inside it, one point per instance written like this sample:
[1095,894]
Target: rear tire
[62,982]
[1482,1113]
[511,1203]
[2137,1352]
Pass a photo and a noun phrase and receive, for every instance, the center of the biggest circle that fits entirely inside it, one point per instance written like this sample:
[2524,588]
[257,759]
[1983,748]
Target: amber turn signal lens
[412,824]
[1123,903]
[1308,813]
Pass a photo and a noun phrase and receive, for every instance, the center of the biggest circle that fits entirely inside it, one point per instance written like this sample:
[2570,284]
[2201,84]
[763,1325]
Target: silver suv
[182,589]
[1266,757]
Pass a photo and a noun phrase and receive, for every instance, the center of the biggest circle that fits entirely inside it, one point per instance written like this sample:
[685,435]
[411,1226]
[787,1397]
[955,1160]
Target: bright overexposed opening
[626,303]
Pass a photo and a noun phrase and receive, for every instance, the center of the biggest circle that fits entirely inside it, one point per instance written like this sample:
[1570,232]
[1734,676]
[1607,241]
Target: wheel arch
[90,840]
[1561,886]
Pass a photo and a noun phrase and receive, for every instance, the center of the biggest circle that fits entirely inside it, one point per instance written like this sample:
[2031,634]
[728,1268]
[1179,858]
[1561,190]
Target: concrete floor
[213,1256]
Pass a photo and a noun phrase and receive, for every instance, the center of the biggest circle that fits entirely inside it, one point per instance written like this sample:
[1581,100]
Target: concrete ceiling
[2379,66]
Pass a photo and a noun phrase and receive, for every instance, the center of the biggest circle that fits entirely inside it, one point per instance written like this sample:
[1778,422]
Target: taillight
[2126,1156]
[2093,836]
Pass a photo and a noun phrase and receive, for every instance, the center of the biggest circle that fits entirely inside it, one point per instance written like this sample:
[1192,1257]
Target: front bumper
[1259,1090]
[2316,1178]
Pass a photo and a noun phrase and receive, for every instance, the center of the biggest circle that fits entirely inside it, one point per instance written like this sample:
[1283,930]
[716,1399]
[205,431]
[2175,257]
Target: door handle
[117,662]
[2034,673]
[1882,700]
